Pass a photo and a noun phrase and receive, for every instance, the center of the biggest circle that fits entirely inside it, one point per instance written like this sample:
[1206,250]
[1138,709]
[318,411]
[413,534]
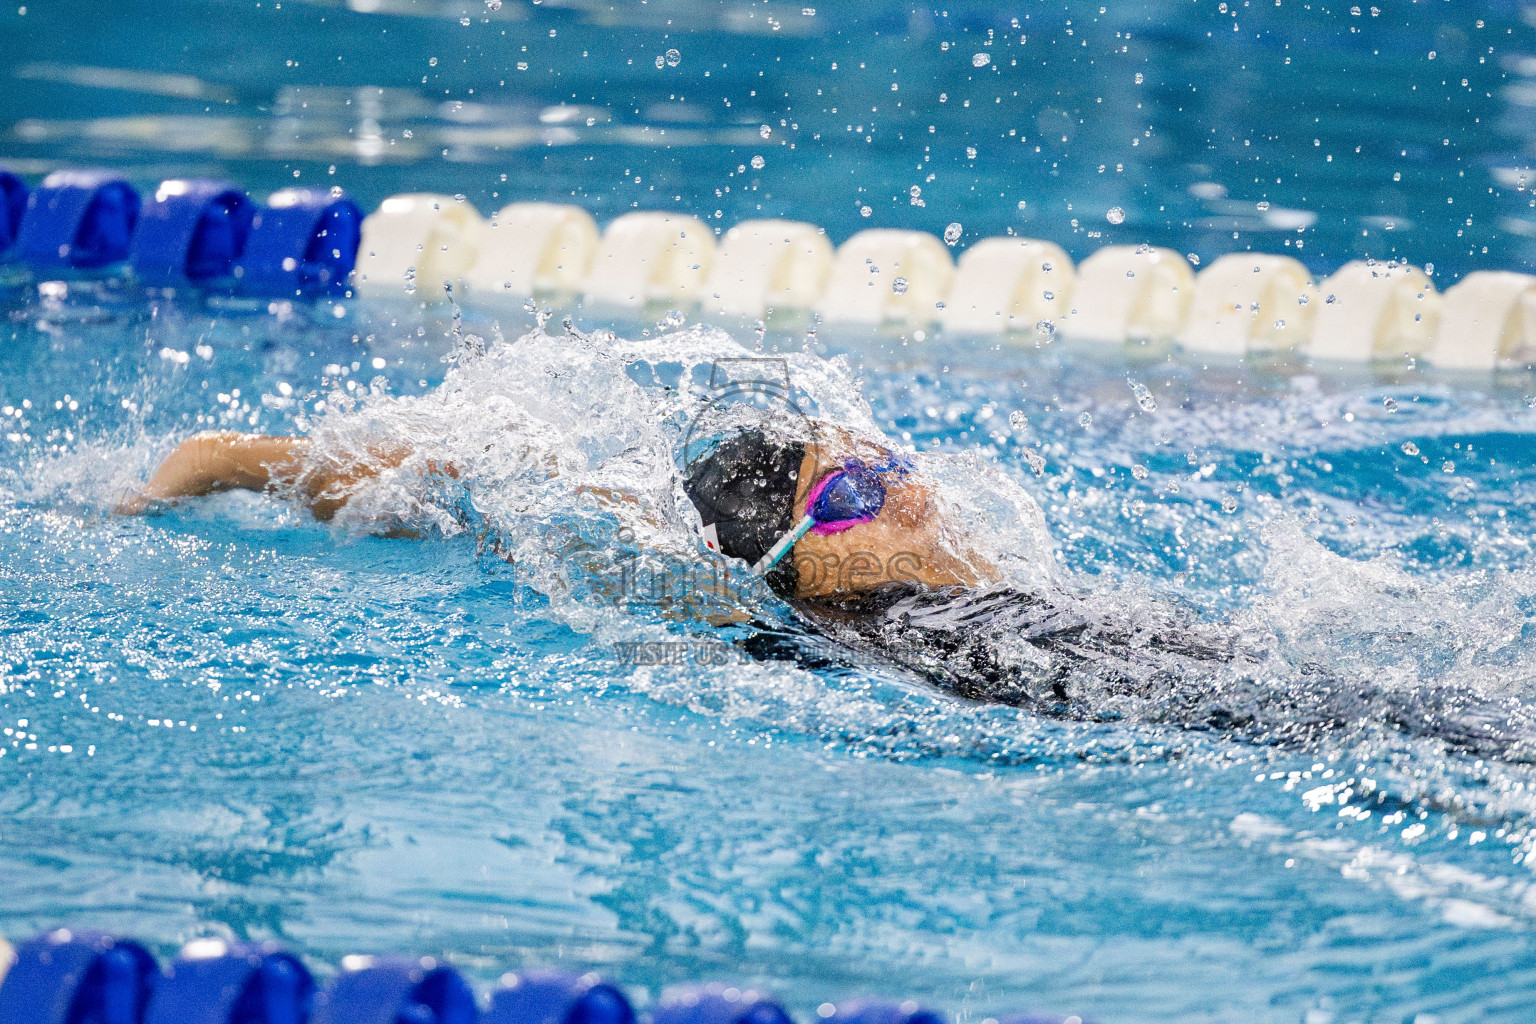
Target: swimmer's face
[910,540]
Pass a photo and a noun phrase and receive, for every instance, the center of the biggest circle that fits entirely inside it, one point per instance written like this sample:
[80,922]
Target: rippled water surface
[225,718]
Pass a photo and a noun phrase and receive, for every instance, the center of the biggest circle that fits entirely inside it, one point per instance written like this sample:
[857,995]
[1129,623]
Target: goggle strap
[783,545]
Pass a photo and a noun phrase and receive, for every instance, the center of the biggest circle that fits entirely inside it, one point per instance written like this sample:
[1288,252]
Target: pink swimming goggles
[839,501]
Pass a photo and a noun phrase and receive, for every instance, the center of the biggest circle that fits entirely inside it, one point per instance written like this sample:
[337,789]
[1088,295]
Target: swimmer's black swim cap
[745,489]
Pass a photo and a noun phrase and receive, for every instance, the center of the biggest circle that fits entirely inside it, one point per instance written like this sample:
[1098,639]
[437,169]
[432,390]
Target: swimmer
[857,542]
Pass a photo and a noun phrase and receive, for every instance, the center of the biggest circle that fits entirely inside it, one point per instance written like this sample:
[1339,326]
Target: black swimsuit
[1012,646]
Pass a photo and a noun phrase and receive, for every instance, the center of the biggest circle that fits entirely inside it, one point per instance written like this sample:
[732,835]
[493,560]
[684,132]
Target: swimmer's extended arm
[222,461]
[225,460]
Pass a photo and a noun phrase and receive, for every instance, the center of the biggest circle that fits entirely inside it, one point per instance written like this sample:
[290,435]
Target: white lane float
[529,248]
[882,275]
[1249,302]
[651,257]
[414,242]
[769,264]
[1008,284]
[1370,310]
[1130,293]
[1487,321]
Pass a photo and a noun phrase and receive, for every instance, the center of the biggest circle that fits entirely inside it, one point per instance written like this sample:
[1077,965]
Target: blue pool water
[227,719]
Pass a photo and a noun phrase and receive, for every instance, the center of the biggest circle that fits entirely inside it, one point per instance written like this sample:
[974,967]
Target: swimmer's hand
[135,502]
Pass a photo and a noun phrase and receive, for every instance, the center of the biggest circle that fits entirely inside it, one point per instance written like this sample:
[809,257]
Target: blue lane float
[303,242]
[79,220]
[64,977]
[192,232]
[396,991]
[555,998]
[13,204]
[871,1011]
[720,1004]
[213,982]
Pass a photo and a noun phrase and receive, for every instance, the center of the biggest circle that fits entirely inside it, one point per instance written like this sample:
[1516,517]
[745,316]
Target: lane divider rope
[312,243]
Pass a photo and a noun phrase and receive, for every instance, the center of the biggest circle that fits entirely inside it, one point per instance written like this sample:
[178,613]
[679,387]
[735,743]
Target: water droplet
[1085,420]
[1140,78]
[1036,461]
[494,5]
[671,320]
[1409,448]
[899,286]
[661,61]
[1138,507]
[1279,325]
[970,152]
[1193,259]
[1229,504]
[1115,215]
[591,121]
[1017,420]
[674,58]
[758,163]
[953,232]
[432,62]
[1263,206]
[765,131]
[1530,401]
[1047,267]
[1448,467]
[529,306]
[464,21]
[865,211]
[1303,300]
[1045,327]
[915,191]
[1140,472]
[981,60]
[1143,396]
[809,12]
[1389,404]
[1048,296]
